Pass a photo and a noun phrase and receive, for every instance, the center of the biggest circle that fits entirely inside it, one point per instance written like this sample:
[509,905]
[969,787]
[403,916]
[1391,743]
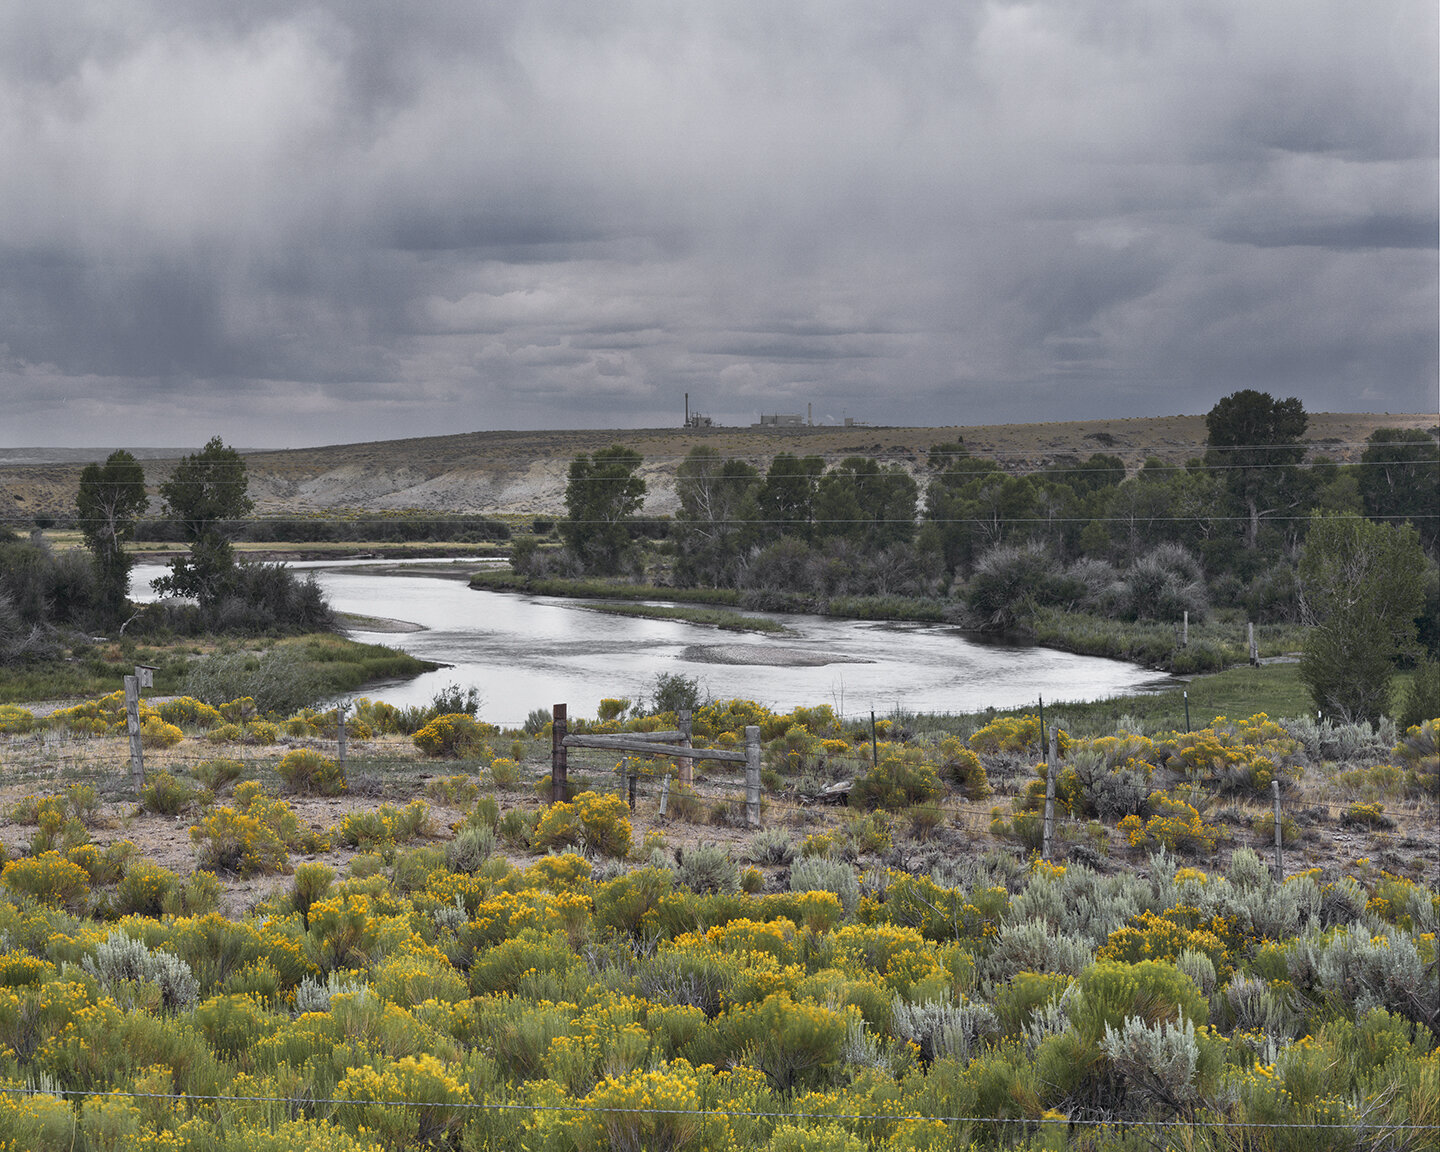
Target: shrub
[224,734]
[452,790]
[819,874]
[155,733]
[15,721]
[898,781]
[770,846]
[455,734]
[752,880]
[119,962]
[924,819]
[165,796]
[219,773]
[261,732]
[517,826]
[505,772]
[706,868]
[963,769]
[599,822]
[145,889]
[1364,816]
[305,770]
[188,712]
[384,827]
[48,878]
[472,846]
[253,837]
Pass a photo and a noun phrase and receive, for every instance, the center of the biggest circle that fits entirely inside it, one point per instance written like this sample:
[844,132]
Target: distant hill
[524,472]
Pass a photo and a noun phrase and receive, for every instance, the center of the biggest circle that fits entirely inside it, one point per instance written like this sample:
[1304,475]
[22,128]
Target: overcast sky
[299,223]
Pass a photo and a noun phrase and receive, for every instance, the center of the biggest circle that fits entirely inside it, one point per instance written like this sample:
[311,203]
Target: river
[525,652]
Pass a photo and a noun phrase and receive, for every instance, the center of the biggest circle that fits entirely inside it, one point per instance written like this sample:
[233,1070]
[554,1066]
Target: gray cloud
[358,220]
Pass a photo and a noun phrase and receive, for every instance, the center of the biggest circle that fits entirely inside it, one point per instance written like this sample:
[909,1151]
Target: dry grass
[523,473]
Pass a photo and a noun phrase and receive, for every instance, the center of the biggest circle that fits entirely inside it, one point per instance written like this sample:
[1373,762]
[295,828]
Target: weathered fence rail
[654,744]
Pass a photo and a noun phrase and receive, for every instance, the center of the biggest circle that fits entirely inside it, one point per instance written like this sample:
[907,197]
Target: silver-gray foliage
[1157,1060]
[120,963]
[817,874]
[941,1028]
[313,993]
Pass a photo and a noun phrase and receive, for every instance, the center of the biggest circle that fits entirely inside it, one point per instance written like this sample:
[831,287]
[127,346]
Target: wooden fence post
[558,764]
[1185,631]
[664,794]
[685,764]
[340,710]
[1052,769]
[1250,639]
[752,776]
[631,775]
[1279,851]
[132,724]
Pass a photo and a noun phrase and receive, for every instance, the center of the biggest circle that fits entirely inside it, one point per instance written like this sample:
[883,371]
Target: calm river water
[525,652]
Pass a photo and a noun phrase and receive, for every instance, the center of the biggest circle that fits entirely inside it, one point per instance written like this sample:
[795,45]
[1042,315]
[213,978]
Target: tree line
[206,497]
[1231,528]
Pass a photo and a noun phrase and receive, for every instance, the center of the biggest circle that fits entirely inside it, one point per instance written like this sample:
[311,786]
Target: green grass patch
[714,617]
[88,671]
[1217,643]
[1274,689]
[595,589]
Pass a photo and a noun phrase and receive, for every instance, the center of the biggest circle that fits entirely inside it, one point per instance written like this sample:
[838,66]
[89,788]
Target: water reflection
[524,653]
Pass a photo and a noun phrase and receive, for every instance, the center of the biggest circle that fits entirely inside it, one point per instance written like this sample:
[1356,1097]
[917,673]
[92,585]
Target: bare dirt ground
[524,473]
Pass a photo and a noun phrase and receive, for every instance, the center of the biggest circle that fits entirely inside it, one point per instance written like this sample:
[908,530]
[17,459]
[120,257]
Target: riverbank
[1210,646]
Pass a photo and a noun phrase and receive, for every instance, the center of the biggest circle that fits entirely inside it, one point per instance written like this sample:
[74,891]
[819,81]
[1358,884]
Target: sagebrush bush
[119,961]
[706,868]
[165,796]
[821,874]
[219,773]
[770,846]
[305,770]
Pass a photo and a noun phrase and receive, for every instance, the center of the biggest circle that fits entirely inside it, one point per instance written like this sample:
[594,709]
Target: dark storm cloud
[343,221]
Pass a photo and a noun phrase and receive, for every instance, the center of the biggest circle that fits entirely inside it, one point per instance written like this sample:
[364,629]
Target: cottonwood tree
[109,503]
[1254,441]
[205,494]
[716,504]
[1400,479]
[1361,585]
[602,495]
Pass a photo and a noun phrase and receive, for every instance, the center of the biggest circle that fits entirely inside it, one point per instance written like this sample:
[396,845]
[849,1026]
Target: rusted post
[558,764]
[1052,769]
[752,776]
[686,765]
[132,724]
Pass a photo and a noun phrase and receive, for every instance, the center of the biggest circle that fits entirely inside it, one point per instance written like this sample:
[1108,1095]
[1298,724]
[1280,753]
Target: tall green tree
[1362,584]
[109,503]
[1254,441]
[716,502]
[1400,480]
[602,495]
[205,495]
[864,502]
[786,499]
